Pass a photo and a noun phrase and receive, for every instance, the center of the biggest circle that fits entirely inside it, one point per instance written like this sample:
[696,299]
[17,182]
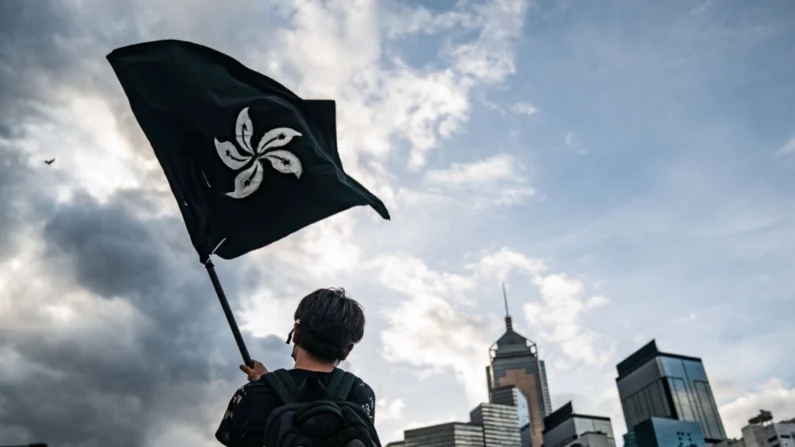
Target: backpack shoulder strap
[340,384]
[282,384]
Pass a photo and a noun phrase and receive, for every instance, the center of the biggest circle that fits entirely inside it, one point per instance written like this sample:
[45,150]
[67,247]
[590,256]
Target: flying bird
[49,162]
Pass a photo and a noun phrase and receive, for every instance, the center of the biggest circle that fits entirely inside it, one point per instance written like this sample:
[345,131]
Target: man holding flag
[249,163]
[327,326]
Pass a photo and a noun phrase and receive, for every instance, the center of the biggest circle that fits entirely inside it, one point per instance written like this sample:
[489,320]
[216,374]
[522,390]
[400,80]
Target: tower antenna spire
[505,299]
[508,320]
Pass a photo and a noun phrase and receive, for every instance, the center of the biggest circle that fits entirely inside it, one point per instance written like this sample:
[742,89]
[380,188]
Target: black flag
[249,161]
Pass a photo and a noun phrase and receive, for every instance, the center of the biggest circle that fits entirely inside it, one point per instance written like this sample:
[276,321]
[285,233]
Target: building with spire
[514,361]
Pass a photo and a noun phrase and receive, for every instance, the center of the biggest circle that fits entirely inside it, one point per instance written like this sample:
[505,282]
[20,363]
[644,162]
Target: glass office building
[564,427]
[656,384]
[661,432]
[500,425]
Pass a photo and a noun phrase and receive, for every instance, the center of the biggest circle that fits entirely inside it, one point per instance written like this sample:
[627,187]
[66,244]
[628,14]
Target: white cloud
[499,179]
[500,263]
[390,409]
[558,316]
[493,169]
[429,331]
[77,316]
[330,247]
[787,149]
[105,162]
[524,108]
[404,20]
[558,313]
[701,7]
[689,318]
[569,139]
[379,104]
[410,275]
[773,396]
[490,58]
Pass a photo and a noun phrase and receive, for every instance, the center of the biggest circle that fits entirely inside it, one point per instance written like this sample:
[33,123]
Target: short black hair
[330,324]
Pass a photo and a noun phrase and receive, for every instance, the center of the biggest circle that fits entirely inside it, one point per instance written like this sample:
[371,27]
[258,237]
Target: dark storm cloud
[29,56]
[111,253]
[112,387]
[44,45]
[23,195]
[105,392]
[106,243]
[107,398]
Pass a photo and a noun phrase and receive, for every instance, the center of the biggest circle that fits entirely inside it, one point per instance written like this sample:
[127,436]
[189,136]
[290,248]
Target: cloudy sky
[628,168]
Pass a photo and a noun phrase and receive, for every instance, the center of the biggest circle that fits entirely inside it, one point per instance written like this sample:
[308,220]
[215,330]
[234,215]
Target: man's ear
[347,352]
[295,331]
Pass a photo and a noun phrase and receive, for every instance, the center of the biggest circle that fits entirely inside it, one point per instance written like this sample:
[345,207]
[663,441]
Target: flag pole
[230,318]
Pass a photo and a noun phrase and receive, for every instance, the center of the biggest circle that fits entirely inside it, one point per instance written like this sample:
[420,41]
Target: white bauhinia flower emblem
[250,178]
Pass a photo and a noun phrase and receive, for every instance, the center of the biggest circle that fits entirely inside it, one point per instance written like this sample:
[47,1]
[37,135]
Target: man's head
[328,324]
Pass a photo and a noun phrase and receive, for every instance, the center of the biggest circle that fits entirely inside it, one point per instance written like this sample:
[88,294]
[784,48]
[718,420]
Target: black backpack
[317,416]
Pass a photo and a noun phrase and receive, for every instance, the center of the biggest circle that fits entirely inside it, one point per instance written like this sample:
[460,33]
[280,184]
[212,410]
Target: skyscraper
[657,384]
[514,361]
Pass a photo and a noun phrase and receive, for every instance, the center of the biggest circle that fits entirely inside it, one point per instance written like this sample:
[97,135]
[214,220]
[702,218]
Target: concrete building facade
[511,395]
[451,434]
[778,434]
[564,427]
[500,425]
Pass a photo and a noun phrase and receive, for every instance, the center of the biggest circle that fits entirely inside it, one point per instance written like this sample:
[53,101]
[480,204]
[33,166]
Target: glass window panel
[656,399]
[646,399]
[627,412]
[633,410]
[675,398]
[711,417]
[638,409]
[666,408]
[683,398]
[703,407]
[714,406]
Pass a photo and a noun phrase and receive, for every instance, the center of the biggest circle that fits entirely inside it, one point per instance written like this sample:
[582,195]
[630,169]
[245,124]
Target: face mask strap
[290,335]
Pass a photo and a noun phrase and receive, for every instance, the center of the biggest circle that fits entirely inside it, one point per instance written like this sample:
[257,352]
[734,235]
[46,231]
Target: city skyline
[666,396]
